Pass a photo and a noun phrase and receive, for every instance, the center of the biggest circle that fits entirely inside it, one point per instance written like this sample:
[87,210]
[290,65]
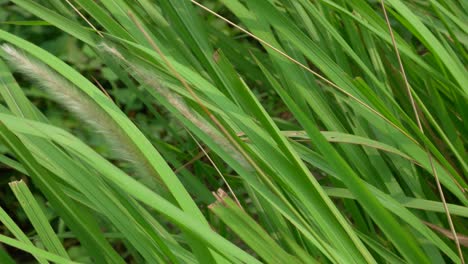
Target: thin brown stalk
[102,88]
[191,161]
[217,170]
[84,18]
[447,233]
[418,121]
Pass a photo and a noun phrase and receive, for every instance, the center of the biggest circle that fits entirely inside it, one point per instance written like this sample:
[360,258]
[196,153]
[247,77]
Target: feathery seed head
[81,105]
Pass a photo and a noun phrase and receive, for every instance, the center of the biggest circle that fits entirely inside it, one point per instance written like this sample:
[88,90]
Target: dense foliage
[233,131]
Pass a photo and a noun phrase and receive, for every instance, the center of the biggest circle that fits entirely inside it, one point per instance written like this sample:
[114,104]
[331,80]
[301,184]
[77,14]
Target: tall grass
[365,164]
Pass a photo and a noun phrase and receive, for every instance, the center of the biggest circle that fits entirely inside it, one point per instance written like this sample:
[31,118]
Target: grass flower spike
[83,107]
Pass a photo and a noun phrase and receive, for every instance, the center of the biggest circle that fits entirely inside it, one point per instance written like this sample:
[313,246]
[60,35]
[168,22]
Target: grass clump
[338,127]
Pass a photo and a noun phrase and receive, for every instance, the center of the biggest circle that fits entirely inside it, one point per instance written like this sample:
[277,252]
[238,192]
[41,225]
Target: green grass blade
[38,219]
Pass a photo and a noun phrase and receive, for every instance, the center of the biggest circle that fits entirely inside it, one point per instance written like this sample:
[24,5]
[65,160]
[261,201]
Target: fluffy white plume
[81,105]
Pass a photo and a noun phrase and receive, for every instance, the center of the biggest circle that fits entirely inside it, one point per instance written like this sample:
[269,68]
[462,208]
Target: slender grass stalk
[84,18]
[216,168]
[418,121]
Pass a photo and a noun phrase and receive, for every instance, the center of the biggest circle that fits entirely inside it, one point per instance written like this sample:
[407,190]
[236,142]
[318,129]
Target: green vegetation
[233,131]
